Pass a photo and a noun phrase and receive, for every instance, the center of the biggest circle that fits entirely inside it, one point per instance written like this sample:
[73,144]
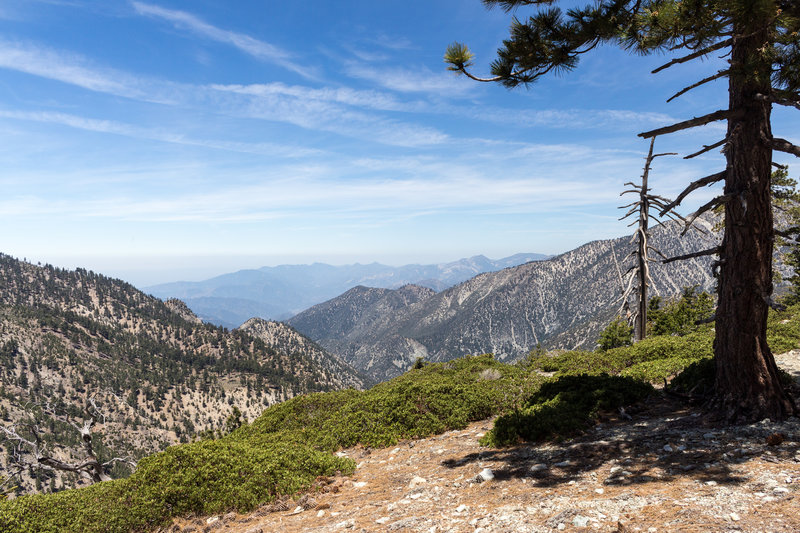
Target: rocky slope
[562,302]
[154,369]
[279,292]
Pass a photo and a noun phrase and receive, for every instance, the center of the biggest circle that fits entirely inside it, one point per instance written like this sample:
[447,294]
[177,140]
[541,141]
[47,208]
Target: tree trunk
[748,387]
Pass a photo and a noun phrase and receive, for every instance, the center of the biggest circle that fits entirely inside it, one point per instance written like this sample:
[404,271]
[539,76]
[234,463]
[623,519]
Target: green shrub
[563,406]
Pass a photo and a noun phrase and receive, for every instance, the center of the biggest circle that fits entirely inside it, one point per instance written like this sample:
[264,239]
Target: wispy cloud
[324,110]
[67,68]
[157,134]
[256,48]
[295,198]
[340,95]
[407,80]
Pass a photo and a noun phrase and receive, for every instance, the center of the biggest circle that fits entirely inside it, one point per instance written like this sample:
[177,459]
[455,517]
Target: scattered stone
[297,510]
[382,520]
[360,484]
[580,521]
[541,467]
[347,524]
[735,517]
[485,475]
[416,481]
[322,506]
[461,508]
[599,491]
[667,448]
[212,519]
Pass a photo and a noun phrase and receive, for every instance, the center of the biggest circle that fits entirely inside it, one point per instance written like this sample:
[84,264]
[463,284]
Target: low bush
[563,406]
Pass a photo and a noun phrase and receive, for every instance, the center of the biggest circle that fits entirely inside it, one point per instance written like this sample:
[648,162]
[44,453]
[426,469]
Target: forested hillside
[156,372]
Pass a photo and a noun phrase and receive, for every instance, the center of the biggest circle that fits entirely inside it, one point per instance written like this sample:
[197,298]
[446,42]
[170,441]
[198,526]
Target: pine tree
[761,40]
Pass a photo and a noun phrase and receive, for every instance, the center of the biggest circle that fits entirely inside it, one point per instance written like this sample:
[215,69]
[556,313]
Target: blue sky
[169,140]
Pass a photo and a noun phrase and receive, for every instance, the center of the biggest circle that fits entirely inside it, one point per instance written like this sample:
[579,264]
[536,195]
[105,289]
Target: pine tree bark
[747,381]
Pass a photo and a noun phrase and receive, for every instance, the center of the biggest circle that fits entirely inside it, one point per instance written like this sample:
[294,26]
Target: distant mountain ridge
[280,292]
[561,302]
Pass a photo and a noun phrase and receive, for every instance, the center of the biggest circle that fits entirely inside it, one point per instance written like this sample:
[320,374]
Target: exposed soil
[666,469]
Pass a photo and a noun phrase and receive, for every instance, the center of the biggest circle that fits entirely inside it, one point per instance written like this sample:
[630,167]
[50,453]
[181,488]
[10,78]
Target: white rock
[562,527]
[486,474]
[210,520]
[382,520]
[599,491]
[539,467]
[360,484]
[580,521]
[416,480]
[562,464]
[461,508]
[711,483]
[320,513]
[615,470]
[780,489]
[297,510]
[735,517]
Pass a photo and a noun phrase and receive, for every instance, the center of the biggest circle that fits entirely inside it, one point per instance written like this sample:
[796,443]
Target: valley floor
[664,470]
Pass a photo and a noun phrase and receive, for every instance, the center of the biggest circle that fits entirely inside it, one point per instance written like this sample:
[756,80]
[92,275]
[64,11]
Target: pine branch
[685,90]
[788,102]
[722,114]
[782,145]
[695,55]
[701,253]
[702,182]
[707,148]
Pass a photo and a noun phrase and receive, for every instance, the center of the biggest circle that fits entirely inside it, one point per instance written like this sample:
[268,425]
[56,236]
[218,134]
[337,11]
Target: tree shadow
[662,442]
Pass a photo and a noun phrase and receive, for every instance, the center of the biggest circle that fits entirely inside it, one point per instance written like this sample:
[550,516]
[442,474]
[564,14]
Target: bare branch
[707,148]
[701,253]
[695,55]
[722,114]
[719,200]
[782,145]
[702,182]
[716,76]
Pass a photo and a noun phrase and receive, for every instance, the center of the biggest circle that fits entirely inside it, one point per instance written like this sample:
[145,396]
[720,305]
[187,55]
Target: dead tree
[640,271]
[28,450]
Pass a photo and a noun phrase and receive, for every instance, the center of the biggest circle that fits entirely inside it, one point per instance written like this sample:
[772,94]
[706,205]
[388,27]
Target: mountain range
[279,292]
[561,302]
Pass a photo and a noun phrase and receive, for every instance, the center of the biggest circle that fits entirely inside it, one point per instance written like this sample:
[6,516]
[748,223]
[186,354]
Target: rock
[360,484]
[461,508]
[580,521]
[735,517]
[416,481]
[382,520]
[297,510]
[212,519]
[485,475]
[541,467]
[667,448]
[347,524]
[320,514]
